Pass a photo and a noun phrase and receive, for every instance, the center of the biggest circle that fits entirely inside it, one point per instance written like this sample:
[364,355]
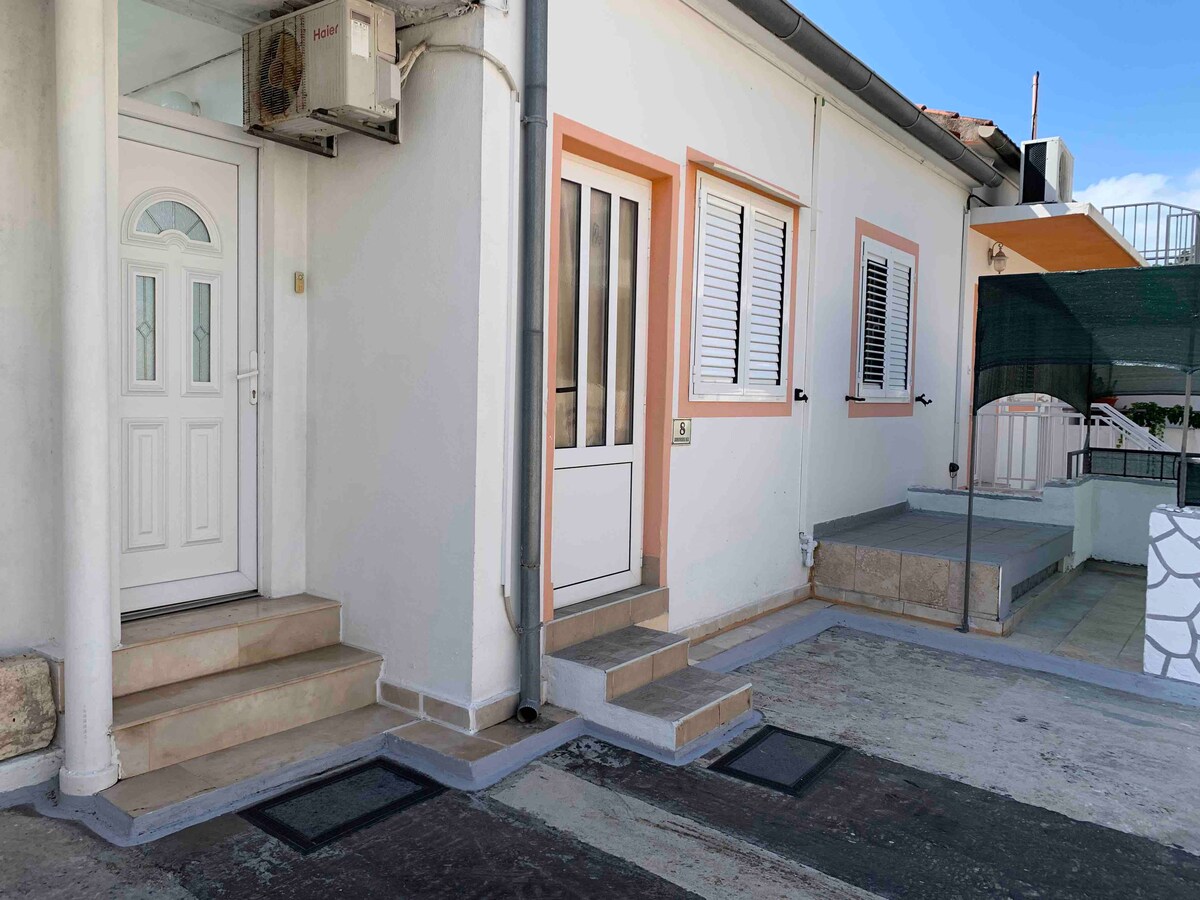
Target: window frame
[893,254]
[751,203]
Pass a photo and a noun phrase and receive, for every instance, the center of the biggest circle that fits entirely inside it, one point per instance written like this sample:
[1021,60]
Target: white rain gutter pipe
[798,32]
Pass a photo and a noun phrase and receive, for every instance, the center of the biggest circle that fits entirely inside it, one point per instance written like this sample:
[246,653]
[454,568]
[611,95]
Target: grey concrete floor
[1099,617]
[964,779]
[1090,753]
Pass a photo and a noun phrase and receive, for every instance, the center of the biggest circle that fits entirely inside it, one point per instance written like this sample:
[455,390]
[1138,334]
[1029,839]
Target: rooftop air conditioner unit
[324,70]
[1047,171]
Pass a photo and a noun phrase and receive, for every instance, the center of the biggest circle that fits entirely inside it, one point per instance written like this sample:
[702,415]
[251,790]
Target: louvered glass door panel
[566,387]
[600,363]
[765,361]
[721,291]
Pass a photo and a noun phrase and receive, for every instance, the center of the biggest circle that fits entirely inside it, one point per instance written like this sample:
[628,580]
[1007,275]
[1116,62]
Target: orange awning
[1059,237]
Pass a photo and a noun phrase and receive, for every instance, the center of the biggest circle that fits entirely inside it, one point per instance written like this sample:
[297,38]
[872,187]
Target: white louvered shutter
[741,296]
[885,307]
[719,305]
[768,254]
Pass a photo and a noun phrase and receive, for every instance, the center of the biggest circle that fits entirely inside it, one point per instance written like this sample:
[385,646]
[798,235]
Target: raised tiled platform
[912,563]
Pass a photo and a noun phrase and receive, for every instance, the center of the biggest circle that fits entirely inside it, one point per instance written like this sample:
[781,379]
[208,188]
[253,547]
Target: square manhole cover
[321,812]
[779,759]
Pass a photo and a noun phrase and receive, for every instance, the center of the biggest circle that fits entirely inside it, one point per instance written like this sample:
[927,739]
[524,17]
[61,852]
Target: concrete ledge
[29,769]
[973,645]
[117,827]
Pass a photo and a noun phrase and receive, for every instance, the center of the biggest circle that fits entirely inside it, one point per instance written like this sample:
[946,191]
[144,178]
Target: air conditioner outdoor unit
[1047,171]
[324,70]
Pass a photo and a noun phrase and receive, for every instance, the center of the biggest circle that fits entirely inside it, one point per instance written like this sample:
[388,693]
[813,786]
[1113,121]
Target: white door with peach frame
[600,382]
[185,343]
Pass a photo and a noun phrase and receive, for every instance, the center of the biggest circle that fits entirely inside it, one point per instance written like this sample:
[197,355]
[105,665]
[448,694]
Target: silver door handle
[252,373]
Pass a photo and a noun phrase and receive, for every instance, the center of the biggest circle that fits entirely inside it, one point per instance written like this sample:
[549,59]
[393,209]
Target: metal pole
[1183,441]
[965,627]
[533,274]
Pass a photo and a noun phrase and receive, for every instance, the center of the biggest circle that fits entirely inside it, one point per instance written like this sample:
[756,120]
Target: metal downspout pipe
[781,19]
[532,274]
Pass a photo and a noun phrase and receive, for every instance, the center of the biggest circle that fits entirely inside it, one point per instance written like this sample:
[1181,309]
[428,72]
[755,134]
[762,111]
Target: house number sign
[681,431]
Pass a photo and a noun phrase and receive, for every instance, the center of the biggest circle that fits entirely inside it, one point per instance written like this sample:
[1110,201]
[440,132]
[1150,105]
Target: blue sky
[1120,82]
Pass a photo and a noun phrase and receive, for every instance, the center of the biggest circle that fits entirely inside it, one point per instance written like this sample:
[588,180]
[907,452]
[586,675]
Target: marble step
[613,664]
[677,710]
[262,759]
[592,618]
[172,723]
[184,645]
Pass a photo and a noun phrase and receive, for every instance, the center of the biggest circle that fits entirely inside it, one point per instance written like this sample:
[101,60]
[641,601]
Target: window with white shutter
[885,322]
[742,294]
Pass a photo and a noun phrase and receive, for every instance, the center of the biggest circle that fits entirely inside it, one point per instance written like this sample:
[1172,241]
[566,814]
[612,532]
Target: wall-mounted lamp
[996,258]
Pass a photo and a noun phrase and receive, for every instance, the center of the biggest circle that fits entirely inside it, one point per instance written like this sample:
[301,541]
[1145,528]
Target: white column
[80,32]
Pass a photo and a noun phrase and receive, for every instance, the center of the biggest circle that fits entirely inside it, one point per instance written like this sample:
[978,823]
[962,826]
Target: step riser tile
[145,666]
[153,665]
[190,733]
[712,717]
[651,667]
[277,638]
[576,629]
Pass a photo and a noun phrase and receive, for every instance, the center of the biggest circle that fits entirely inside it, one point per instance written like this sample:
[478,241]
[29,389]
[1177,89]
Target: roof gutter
[801,35]
[1004,146]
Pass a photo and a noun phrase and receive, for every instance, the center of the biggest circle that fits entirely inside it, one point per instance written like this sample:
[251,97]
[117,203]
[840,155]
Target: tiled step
[146,794]
[612,612]
[176,722]
[185,645]
[613,664]
[673,712]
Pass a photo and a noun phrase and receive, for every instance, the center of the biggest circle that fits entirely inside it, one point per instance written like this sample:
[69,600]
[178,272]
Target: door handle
[252,373]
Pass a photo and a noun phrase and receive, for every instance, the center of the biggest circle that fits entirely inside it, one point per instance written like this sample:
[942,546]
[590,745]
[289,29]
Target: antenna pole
[1036,76]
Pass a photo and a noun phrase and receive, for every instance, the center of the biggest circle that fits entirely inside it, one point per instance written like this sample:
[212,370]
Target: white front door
[600,384]
[184,326]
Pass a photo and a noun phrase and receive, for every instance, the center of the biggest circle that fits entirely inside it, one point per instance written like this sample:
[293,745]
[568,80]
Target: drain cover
[779,759]
[321,812]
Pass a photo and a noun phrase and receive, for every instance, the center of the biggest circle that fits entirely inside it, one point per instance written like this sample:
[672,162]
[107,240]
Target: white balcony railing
[1024,443]
[1165,234]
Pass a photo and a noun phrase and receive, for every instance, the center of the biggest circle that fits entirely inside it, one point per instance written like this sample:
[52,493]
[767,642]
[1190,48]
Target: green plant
[1150,416]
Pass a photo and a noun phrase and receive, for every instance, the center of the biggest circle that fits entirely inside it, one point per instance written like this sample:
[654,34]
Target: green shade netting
[1079,336]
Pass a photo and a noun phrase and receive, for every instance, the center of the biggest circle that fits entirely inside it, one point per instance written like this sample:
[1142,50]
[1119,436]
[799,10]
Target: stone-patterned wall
[1173,594]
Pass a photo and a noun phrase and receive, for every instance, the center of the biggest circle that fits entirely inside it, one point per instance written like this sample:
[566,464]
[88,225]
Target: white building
[235,368]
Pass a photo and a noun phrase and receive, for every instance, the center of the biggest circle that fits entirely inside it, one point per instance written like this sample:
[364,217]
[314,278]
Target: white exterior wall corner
[394,281]
[283,420]
[31,601]
[658,75]
[867,463]
[494,645]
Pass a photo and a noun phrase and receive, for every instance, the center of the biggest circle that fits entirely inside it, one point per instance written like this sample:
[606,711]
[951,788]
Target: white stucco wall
[283,407]
[659,76]
[30,386]
[394,316]
[867,463]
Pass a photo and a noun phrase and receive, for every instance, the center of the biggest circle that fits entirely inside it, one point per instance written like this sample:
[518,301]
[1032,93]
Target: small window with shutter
[742,294]
[885,321]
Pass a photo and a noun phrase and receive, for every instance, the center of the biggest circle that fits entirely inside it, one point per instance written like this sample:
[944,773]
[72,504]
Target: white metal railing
[1165,234]
[1024,443]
